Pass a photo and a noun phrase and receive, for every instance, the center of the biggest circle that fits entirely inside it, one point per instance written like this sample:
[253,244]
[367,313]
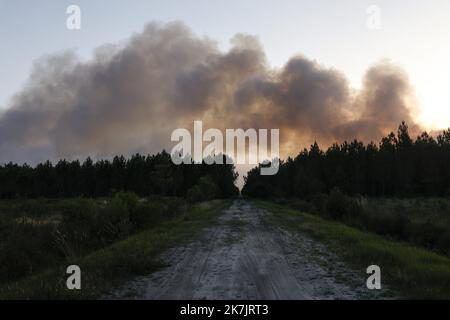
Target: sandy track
[244,257]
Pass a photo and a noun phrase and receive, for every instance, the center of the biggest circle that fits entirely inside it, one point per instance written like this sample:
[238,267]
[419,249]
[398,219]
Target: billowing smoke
[130,97]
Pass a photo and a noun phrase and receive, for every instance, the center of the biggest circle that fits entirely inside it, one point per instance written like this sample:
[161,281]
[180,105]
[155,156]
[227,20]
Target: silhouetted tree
[399,166]
[150,175]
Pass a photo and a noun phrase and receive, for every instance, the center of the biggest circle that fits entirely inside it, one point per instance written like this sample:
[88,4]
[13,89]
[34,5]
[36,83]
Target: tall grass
[423,222]
[38,234]
[106,268]
[415,272]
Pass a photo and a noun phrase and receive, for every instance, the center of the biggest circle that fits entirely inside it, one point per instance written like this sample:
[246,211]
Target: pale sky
[414,34]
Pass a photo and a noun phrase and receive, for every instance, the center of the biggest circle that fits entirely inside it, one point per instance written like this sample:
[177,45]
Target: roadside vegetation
[415,272]
[110,239]
[111,218]
[423,222]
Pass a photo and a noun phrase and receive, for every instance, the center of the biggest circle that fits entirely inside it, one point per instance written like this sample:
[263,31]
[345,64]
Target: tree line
[143,175]
[397,166]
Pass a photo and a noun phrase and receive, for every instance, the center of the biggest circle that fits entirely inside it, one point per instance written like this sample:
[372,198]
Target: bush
[303,206]
[148,214]
[174,206]
[194,194]
[204,190]
[340,206]
[78,228]
[25,248]
[319,202]
[114,221]
[62,230]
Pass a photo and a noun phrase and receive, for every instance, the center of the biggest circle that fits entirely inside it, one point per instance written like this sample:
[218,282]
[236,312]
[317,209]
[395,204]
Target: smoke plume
[128,98]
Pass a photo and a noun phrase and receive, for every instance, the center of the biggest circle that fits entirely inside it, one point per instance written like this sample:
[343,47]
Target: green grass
[418,211]
[109,267]
[413,272]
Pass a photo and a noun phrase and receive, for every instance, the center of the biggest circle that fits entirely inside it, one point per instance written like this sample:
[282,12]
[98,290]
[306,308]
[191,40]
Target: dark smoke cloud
[311,103]
[130,97]
[386,99]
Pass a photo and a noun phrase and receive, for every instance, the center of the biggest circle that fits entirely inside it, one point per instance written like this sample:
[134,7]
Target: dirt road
[245,257]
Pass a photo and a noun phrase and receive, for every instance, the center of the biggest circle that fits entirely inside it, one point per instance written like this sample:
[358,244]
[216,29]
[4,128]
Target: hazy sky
[414,34]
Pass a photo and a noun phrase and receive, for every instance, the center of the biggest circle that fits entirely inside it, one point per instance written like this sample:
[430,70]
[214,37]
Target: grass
[109,267]
[414,272]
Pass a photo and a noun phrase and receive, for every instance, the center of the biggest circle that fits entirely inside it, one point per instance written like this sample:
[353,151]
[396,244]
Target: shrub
[174,206]
[319,202]
[303,206]
[340,206]
[114,221]
[204,190]
[25,248]
[194,194]
[30,242]
[78,228]
[147,214]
